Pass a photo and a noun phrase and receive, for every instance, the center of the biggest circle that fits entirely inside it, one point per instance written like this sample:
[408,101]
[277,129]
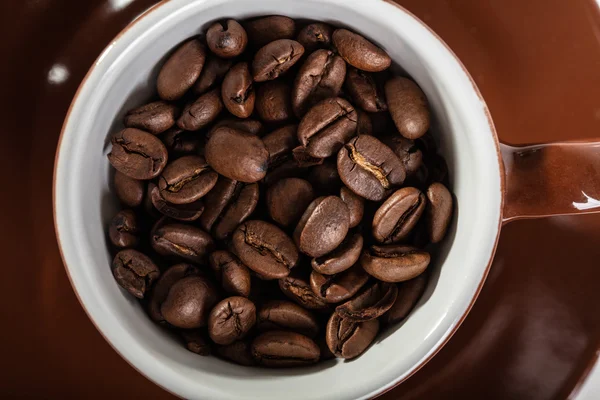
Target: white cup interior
[123,77]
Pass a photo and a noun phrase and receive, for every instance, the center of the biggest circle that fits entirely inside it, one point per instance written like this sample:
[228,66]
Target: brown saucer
[532,333]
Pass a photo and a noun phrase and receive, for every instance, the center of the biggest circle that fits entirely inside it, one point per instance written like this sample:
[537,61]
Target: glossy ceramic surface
[534,329]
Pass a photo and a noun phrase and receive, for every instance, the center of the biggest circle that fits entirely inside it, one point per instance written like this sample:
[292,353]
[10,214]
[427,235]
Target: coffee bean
[408,107]
[203,111]
[238,352]
[280,143]
[182,241]
[284,349]
[359,52]
[296,287]
[349,339]
[196,342]
[365,91]
[409,293]
[323,226]
[247,125]
[181,70]
[320,77]
[276,58]
[273,102]
[231,272]
[314,36]
[129,191]
[394,263]
[372,302]
[124,229]
[231,319]
[226,39]
[326,354]
[407,151]
[369,168]
[325,178]
[178,141]
[342,258]
[287,200]
[303,159]
[214,70]
[339,287]
[237,155]
[288,169]
[189,302]
[265,249]
[398,215]
[137,154]
[355,204]
[134,272]
[288,316]
[268,29]
[155,117]
[327,126]
[163,286]
[364,125]
[240,206]
[186,180]
[216,201]
[181,212]
[439,211]
[238,92]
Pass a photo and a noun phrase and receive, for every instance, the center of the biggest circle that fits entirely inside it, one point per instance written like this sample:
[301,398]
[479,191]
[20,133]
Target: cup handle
[551,179]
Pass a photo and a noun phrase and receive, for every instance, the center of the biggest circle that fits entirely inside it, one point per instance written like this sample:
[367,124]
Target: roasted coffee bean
[231,319]
[247,125]
[288,169]
[365,91]
[196,342]
[203,111]
[238,352]
[408,107]
[296,286]
[287,200]
[364,125]
[439,211]
[355,204]
[303,159]
[265,249]
[134,272]
[394,263]
[288,316]
[327,126]
[349,339]
[268,29]
[186,180]
[214,70]
[182,241]
[124,229]
[280,143]
[129,191]
[273,102]
[227,39]
[409,293]
[155,117]
[238,92]
[326,353]
[280,349]
[137,154]
[359,52]
[189,302]
[163,286]
[323,226]
[231,272]
[275,58]
[180,142]
[314,36]
[369,168]
[342,258]
[398,215]
[181,70]
[339,287]
[237,155]
[325,178]
[240,206]
[320,77]
[216,201]
[372,302]
[407,151]
[181,212]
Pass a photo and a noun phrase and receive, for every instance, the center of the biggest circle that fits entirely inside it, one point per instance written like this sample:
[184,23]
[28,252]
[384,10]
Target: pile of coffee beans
[282,196]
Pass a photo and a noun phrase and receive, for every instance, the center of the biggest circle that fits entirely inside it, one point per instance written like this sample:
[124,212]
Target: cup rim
[476,91]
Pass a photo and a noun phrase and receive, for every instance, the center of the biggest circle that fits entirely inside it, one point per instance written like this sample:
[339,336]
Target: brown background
[535,327]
